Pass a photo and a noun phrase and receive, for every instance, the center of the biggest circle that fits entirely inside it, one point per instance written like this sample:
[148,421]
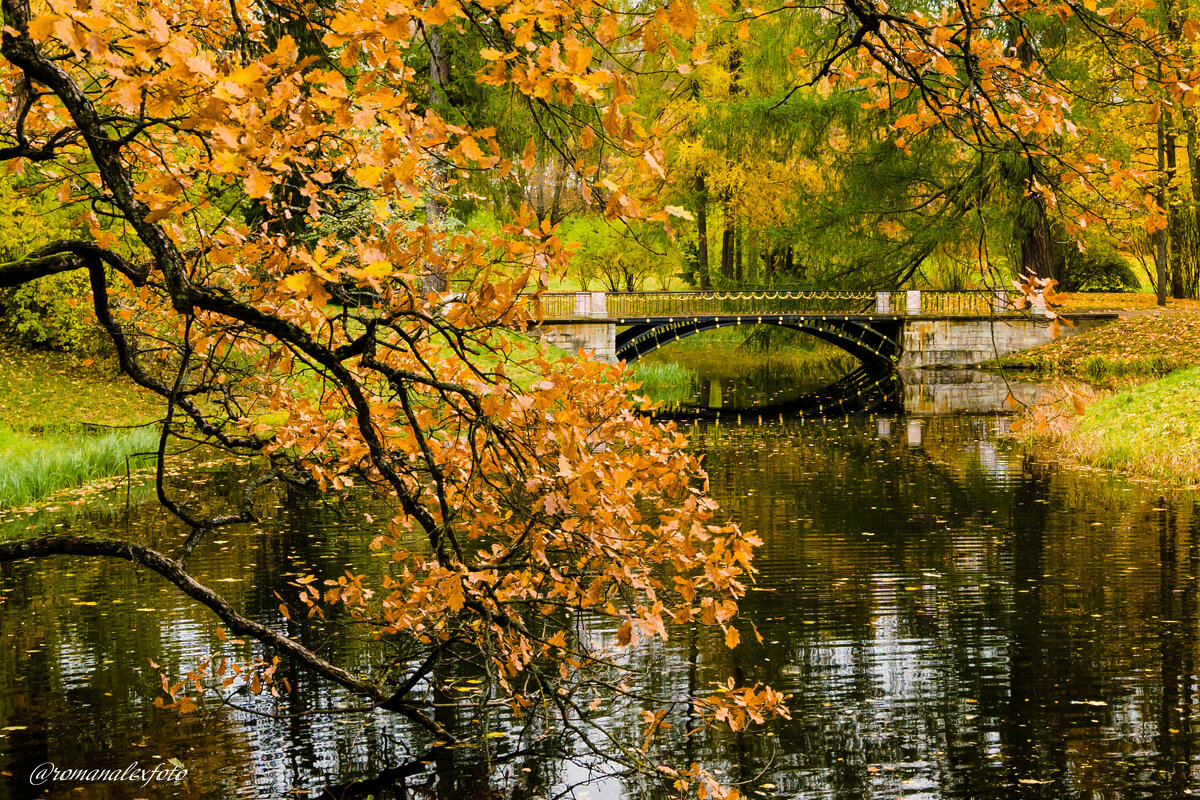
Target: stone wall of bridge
[598,339]
[968,342]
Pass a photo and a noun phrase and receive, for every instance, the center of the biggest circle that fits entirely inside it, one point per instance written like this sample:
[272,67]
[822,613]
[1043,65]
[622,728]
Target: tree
[249,192]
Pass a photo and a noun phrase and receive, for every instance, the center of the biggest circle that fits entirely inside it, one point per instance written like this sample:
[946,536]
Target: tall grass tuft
[664,381]
[32,467]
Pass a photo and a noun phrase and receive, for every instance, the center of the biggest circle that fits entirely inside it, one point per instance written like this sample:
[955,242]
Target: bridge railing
[751,303]
[632,305]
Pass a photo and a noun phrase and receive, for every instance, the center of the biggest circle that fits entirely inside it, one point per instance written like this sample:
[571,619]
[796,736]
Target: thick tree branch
[174,572]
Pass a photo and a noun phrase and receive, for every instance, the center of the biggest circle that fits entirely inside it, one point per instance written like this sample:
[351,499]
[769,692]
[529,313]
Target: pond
[953,617]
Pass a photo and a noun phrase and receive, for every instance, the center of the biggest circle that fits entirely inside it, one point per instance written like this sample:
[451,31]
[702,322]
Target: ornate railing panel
[658,305]
[667,304]
[558,305]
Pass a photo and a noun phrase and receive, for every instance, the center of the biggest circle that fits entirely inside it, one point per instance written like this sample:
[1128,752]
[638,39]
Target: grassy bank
[33,466]
[1120,301]
[66,420]
[1146,420]
[1150,432]
[1143,345]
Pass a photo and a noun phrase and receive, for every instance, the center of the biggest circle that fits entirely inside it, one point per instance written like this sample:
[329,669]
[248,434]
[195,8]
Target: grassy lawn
[66,420]
[1150,431]
[1121,301]
[46,391]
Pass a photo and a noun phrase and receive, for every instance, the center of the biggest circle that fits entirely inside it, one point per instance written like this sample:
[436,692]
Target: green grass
[42,390]
[33,466]
[664,381]
[1151,431]
[54,412]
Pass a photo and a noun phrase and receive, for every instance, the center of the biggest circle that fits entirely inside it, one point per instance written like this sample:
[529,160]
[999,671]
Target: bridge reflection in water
[867,390]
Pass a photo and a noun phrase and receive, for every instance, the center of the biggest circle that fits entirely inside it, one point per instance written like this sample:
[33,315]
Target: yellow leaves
[682,17]
[470,148]
[737,707]
[286,51]
[529,156]
[368,175]
[743,31]
[441,12]
[732,637]
[45,26]
[625,634]
[652,162]
[258,184]
[308,285]
[579,59]
[452,587]
[239,84]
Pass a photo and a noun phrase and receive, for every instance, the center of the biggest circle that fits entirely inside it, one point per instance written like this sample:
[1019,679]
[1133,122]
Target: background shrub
[1099,269]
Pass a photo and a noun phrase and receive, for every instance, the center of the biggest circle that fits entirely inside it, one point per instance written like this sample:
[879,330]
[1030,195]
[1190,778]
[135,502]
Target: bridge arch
[874,342]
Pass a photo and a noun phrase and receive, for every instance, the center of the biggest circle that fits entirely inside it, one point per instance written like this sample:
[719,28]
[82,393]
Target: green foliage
[621,257]
[50,312]
[1100,268]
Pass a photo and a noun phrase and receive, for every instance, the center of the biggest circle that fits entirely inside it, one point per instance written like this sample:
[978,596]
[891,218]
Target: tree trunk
[727,246]
[439,73]
[1175,232]
[702,234]
[739,246]
[1193,212]
[1160,235]
[1040,253]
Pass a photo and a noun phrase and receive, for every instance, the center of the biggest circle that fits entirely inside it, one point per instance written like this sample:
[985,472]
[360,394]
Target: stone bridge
[910,329]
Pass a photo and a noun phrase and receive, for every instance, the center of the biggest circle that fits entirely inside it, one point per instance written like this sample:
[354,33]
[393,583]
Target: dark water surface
[953,618]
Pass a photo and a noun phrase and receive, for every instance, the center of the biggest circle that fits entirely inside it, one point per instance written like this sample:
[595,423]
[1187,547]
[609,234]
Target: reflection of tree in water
[931,608]
[936,617]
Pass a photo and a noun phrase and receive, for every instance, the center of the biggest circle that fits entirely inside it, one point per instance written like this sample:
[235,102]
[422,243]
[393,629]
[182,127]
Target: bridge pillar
[598,338]
[912,302]
[883,302]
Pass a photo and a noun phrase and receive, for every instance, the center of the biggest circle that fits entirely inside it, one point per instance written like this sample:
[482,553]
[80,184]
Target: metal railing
[633,305]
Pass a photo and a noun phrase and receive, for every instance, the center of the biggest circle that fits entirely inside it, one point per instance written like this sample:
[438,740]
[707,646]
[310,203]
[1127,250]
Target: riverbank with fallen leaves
[1143,419]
